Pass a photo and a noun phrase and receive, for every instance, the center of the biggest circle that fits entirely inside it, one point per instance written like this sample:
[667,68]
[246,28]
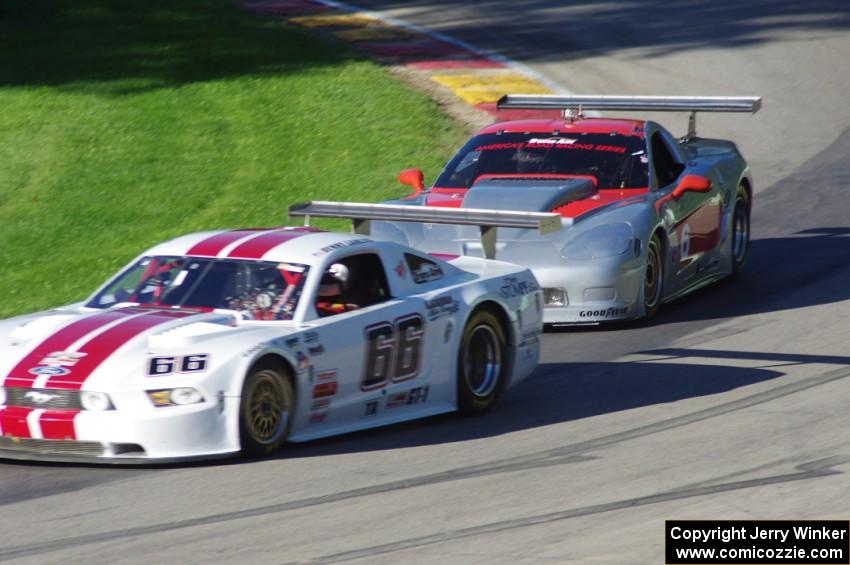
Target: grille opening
[52,446]
[127,449]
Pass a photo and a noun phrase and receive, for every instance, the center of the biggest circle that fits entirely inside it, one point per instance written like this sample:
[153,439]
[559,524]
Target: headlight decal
[607,240]
[179,396]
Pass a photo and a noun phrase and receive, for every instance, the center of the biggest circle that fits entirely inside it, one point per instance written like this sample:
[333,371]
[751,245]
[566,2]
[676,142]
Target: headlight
[175,396]
[602,241]
[95,401]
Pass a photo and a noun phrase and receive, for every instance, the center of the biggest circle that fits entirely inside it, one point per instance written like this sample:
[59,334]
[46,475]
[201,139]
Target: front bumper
[178,433]
[590,314]
[596,291]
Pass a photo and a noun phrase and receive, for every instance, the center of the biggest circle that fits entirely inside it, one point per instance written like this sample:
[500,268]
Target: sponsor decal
[427,272]
[326,375]
[316,350]
[292,342]
[52,371]
[311,337]
[551,141]
[318,417]
[607,313]
[62,358]
[416,395]
[400,270]
[322,390]
[340,245]
[441,307]
[513,287]
[371,408]
[397,399]
[321,404]
[253,349]
[447,334]
[303,360]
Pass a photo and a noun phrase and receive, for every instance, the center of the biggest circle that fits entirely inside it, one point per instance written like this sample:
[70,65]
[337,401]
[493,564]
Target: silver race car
[646,217]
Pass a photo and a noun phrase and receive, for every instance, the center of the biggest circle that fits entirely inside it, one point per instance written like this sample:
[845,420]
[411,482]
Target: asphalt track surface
[733,403]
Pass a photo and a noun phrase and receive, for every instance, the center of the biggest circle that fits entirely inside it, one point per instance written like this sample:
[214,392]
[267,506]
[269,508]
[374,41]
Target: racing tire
[482,363]
[653,279]
[740,231]
[265,410]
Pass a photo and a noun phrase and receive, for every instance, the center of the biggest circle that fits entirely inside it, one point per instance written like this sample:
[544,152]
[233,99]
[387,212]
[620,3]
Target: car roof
[582,125]
[302,245]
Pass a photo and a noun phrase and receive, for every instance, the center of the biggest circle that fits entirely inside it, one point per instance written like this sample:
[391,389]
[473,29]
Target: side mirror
[691,183]
[414,178]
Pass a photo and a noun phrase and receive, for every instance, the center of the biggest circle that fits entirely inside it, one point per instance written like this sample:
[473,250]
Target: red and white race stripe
[258,246]
[212,246]
[246,244]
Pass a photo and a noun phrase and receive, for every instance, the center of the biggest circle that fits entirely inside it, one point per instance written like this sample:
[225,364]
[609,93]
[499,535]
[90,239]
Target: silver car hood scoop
[526,195]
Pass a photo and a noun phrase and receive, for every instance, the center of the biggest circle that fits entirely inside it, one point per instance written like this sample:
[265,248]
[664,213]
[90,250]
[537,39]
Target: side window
[666,168]
[351,283]
[422,270]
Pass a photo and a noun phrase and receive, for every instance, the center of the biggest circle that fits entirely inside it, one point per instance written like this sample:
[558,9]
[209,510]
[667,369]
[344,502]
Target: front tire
[482,363]
[265,410]
[653,280]
[740,231]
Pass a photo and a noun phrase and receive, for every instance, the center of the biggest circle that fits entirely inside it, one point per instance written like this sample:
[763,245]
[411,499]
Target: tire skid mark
[806,471]
[573,453]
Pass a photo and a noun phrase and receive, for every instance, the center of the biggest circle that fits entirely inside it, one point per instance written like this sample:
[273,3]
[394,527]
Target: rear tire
[653,279]
[265,410]
[482,363]
[740,231]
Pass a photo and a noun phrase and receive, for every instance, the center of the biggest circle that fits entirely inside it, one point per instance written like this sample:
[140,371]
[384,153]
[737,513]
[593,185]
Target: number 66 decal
[393,351]
[166,365]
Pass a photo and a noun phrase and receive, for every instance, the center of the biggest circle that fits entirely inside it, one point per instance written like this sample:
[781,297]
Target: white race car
[224,342]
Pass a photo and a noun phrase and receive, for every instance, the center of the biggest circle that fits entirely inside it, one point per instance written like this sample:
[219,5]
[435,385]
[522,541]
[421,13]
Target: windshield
[617,161]
[261,290]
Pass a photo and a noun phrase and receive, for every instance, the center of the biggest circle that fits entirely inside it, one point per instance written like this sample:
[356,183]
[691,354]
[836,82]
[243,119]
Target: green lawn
[124,123]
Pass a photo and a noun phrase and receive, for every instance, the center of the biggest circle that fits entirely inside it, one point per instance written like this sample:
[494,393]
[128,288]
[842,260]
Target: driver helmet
[333,280]
[530,159]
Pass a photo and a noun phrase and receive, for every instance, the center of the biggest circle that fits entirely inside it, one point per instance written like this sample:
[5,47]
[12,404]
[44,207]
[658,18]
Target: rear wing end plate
[486,220]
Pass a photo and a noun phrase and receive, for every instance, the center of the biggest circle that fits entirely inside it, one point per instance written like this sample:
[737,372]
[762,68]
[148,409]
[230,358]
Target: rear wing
[486,220]
[574,105]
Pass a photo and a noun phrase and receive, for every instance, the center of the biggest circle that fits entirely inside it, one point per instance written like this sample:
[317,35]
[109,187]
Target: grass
[125,123]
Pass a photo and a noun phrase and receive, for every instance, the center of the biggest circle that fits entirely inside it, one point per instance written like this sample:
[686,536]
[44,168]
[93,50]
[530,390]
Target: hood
[66,350]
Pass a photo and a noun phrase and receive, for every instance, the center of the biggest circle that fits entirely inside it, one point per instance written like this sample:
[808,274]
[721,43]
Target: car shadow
[783,273]
[564,392]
